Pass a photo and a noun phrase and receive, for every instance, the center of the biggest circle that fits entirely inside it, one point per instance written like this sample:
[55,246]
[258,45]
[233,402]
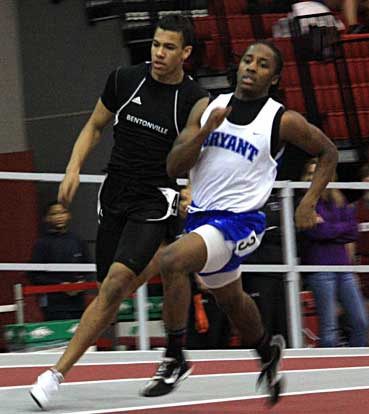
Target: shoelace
[269,367]
[162,368]
[58,375]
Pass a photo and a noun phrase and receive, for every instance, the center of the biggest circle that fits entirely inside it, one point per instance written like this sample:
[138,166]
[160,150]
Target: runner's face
[256,72]
[168,55]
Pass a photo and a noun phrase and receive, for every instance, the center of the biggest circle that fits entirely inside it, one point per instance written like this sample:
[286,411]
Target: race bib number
[248,245]
[172,198]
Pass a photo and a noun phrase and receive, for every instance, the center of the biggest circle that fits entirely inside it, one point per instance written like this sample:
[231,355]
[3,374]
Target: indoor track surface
[319,381]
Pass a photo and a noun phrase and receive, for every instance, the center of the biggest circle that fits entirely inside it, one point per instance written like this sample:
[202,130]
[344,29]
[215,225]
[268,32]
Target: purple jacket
[325,243]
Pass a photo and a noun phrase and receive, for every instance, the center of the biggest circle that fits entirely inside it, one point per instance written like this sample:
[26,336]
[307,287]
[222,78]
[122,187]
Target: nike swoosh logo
[173,378]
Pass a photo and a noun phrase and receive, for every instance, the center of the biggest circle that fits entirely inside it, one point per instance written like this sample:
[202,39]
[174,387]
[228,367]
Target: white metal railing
[8,308]
[290,269]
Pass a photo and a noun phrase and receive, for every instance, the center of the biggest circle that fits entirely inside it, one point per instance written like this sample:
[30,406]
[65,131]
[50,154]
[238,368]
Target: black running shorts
[125,234]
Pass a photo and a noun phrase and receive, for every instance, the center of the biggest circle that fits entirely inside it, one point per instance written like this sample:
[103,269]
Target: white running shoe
[46,386]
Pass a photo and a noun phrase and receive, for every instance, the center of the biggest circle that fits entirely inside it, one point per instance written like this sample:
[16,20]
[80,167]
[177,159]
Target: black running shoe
[168,375]
[270,374]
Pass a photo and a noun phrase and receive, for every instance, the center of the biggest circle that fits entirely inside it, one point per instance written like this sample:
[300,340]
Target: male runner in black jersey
[150,103]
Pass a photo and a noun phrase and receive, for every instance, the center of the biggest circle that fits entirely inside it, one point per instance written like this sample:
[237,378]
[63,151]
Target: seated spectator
[313,8]
[59,245]
[326,245]
[316,27]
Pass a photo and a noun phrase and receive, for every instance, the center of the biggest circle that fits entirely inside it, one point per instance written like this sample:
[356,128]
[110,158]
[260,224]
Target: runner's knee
[229,303]
[171,262]
[229,297]
[116,284]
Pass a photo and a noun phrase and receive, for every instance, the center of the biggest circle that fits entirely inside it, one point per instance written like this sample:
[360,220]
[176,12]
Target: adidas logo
[137,100]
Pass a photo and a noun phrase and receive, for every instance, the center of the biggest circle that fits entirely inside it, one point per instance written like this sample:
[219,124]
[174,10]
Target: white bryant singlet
[235,170]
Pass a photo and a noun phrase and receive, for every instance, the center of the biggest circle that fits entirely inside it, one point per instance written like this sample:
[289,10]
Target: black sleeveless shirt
[149,116]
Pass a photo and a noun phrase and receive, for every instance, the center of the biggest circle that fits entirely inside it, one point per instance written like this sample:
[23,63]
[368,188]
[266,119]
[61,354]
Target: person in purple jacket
[326,244]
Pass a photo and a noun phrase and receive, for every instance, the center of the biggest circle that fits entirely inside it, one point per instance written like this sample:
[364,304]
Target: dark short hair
[180,24]
[48,206]
[277,53]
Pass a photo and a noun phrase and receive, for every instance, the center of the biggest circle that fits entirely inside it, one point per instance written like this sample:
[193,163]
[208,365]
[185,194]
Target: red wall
[19,220]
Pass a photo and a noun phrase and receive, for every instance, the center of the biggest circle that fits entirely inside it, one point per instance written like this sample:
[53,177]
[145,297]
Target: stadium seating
[226,27]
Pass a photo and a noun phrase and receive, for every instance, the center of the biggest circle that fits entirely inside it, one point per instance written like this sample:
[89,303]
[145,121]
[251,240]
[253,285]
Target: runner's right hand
[68,188]
[216,117]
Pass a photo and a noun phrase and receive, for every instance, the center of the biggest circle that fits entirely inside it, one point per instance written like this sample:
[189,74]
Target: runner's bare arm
[88,138]
[294,129]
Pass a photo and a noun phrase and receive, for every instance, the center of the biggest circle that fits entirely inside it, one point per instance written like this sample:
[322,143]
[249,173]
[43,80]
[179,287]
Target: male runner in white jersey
[232,157]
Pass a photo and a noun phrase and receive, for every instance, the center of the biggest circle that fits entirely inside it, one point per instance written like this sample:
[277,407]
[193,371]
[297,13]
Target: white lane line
[189,359]
[339,351]
[218,400]
[126,363]
[68,384]
[234,374]
[80,364]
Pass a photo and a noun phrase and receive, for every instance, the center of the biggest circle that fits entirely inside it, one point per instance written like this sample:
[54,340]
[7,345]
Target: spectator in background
[267,289]
[59,245]
[355,12]
[362,244]
[325,244]
[311,10]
